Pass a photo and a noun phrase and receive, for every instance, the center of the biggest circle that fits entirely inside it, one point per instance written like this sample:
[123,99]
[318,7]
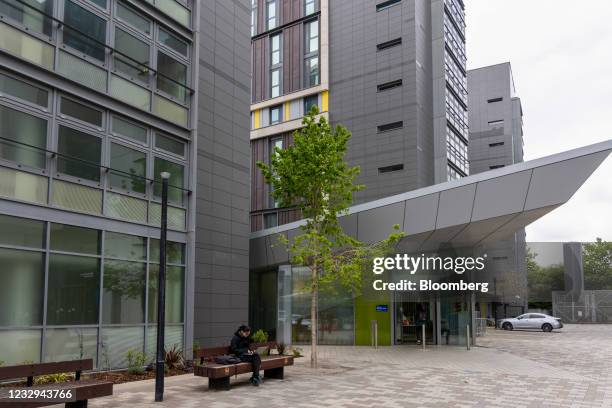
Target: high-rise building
[97,98]
[496,141]
[392,72]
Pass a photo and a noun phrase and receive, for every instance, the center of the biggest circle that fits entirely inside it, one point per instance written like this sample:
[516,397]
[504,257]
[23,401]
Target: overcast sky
[561,56]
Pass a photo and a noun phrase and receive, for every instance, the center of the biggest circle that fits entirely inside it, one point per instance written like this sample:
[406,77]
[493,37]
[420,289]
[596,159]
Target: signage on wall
[382,308]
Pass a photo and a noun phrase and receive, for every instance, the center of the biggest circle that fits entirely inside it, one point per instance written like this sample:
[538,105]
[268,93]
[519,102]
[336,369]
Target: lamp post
[161,292]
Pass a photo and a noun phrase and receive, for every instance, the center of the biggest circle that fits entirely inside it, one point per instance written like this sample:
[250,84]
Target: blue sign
[382,308]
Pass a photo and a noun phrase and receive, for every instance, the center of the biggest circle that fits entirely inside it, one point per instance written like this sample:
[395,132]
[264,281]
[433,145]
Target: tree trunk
[313,318]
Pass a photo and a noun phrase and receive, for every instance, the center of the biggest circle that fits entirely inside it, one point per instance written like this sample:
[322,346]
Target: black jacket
[240,345]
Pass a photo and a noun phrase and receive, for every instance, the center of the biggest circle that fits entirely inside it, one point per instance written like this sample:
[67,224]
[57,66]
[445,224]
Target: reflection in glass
[80,154]
[175,289]
[77,18]
[175,252]
[128,129]
[133,56]
[125,246]
[175,194]
[127,14]
[75,239]
[174,76]
[124,292]
[131,166]
[172,41]
[21,292]
[27,135]
[70,344]
[117,341]
[74,290]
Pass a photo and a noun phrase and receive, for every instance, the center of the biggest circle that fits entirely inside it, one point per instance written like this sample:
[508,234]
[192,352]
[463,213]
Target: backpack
[226,359]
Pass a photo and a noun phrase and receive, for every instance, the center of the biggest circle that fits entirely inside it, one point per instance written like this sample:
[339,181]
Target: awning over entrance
[481,208]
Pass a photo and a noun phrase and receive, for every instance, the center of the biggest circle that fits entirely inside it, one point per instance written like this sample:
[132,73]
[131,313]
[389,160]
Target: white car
[531,321]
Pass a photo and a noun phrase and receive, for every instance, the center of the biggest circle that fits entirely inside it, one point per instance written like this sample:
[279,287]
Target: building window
[389,44]
[176,181]
[275,144]
[130,16]
[312,36]
[22,129]
[79,154]
[24,14]
[309,7]
[390,126]
[386,4]
[170,145]
[270,220]
[272,14]
[128,169]
[81,112]
[389,169]
[389,85]
[311,70]
[122,127]
[497,166]
[275,50]
[496,144]
[23,90]
[495,100]
[311,53]
[309,102]
[275,88]
[253,17]
[276,114]
[173,42]
[496,122]
[88,23]
[173,78]
[133,56]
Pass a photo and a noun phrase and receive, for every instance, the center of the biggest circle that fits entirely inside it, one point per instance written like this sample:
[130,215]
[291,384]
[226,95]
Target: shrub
[174,358]
[281,348]
[260,336]
[297,352]
[136,361]
[52,378]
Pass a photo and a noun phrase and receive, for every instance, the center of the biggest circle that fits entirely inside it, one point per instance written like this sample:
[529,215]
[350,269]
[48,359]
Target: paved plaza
[569,368]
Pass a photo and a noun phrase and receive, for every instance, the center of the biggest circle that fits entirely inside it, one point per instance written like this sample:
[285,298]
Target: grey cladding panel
[420,214]
[376,225]
[455,206]
[502,195]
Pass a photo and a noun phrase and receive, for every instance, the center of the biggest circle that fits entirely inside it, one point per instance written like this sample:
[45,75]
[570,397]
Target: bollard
[467,337]
[374,333]
[423,336]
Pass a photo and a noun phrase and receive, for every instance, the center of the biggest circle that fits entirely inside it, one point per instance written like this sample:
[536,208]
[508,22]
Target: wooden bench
[81,390]
[219,374]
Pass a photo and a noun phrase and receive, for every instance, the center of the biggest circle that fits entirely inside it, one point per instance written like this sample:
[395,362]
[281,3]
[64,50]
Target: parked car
[531,321]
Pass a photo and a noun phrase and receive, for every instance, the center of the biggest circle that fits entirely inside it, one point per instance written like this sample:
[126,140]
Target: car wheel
[547,327]
[507,326]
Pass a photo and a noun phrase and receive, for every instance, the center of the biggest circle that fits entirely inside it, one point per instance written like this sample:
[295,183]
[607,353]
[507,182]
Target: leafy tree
[313,176]
[597,262]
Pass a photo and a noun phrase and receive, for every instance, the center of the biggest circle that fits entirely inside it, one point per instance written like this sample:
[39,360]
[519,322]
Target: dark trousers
[255,361]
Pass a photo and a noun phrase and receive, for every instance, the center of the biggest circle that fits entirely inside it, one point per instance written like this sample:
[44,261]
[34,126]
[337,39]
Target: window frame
[126,139]
[69,177]
[127,23]
[27,81]
[166,152]
[108,164]
[280,114]
[97,12]
[277,16]
[311,55]
[63,116]
[306,4]
[280,82]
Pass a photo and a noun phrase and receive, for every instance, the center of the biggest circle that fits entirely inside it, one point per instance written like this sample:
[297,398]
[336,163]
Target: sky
[561,56]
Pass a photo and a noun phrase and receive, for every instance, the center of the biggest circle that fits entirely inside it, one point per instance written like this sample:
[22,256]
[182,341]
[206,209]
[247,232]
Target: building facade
[97,98]
[496,141]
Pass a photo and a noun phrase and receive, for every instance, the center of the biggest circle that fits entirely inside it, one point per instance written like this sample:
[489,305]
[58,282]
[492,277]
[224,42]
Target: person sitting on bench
[240,347]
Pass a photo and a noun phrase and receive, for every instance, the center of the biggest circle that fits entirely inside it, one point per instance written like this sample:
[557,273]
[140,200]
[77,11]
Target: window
[275,83]
[389,169]
[175,195]
[275,50]
[127,14]
[175,252]
[175,289]
[386,4]
[270,220]
[389,85]
[496,122]
[496,144]
[132,57]
[275,144]
[497,166]
[253,17]
[311,71]
[495,100]
[22,289]
[174,75]
[312,36]
[309,102]
[21,232]
[174,42]
[170,145]
[81,112]
[276,113]
[390,126]
[22,129]
[79,154]
[388,44]
[309,7]
[23,90]
[128,168]
[100,3]
[67,238]
[124,292]
[130,130]
[87,23]
[27,16]
[272,14]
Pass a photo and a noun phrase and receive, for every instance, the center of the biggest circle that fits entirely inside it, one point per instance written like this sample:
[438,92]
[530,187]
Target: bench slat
[33,370]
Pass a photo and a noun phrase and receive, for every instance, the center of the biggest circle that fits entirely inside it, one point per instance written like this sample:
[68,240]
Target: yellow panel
[325,101]
[287,110]
[170,110]
[29,48]
[23,186]
[257,119]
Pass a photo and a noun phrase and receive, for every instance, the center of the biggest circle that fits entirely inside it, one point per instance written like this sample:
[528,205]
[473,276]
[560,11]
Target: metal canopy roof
[481,208]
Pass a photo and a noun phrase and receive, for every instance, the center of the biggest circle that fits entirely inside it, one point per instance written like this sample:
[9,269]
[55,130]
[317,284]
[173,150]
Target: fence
[591,306]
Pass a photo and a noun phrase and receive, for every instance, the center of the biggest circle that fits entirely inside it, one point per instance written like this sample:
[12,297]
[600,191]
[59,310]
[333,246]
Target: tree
[313,176]
[597,261]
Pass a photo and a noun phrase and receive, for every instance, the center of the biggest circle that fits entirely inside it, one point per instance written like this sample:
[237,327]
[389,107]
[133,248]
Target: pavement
[571,368]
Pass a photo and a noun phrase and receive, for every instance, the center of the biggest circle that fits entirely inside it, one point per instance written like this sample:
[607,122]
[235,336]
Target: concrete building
[97,97]
[496,141]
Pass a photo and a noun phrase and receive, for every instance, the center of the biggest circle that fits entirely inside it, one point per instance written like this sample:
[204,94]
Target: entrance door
[409,319]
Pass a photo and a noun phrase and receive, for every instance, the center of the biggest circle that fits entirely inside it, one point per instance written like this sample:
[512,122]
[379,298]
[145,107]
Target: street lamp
[161,292]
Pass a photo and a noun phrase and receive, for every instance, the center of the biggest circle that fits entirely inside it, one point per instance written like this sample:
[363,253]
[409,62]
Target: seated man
[240,347]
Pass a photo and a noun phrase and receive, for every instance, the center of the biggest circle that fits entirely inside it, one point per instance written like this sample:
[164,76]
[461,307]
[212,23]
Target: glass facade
[100,285]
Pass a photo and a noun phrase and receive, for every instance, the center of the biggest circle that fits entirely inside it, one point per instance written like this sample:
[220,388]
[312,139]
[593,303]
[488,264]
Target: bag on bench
[226,359]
